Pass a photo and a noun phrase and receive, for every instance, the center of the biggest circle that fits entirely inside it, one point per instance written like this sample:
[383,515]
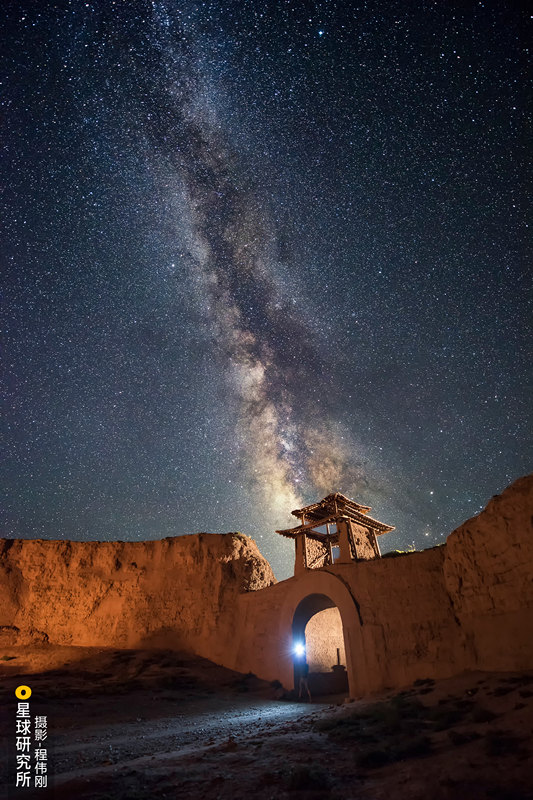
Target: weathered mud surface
[138,724]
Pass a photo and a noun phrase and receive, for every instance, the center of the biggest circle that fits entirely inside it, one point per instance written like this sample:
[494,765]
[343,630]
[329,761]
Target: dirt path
[142,724]
[148,745]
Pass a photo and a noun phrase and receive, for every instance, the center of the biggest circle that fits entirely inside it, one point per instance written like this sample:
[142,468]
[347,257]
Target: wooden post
[351,538]
[330,551]
[345,554]
[300,560]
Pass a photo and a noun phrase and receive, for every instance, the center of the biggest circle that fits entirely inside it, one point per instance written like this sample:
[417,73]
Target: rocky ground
[133,725]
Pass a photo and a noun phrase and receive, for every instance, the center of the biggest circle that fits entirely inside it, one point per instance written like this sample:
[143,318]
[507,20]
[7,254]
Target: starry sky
[257,252]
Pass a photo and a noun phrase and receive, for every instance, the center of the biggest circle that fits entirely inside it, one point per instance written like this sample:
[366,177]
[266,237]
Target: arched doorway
[318,640]
[294,609]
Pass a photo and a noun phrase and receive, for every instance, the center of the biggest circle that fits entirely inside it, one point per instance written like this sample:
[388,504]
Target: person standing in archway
[303,683]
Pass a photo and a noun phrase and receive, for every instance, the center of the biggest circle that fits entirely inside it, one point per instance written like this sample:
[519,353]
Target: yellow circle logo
[23,692]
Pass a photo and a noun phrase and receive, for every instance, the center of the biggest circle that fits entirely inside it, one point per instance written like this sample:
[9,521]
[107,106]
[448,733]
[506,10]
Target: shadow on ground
[138,724]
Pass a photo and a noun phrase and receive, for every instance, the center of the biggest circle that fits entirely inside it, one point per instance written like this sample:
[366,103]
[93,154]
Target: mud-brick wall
[398,621]
[465,605]
[262,645]
[489,575]
[177,592]
[324,638]
[407,624]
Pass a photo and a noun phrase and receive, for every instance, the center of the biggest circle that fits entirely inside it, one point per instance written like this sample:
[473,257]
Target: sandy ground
[133,725]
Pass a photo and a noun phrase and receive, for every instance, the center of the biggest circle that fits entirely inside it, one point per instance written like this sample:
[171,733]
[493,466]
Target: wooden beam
[310,525]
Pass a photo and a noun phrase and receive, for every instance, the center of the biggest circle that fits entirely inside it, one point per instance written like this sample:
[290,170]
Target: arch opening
[319,646]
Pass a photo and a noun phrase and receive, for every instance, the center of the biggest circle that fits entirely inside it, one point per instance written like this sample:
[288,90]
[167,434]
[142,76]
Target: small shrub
[376,721]
[483,715]
[414,748]
[501,743]
[519,680]
[394,554]
[443,718]
[458,738]
[500,691]
[373,759]
[348,728]
[303,777]
[465,705]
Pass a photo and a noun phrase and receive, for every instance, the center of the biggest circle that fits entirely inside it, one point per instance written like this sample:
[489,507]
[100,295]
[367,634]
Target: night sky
[259,252]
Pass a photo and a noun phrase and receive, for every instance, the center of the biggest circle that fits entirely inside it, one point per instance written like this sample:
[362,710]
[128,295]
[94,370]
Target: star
[337,229]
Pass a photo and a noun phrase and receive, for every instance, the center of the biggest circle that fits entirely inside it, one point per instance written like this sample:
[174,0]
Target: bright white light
[299,649]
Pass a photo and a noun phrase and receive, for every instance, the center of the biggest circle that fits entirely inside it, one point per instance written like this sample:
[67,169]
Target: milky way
[264,346]
[256,254]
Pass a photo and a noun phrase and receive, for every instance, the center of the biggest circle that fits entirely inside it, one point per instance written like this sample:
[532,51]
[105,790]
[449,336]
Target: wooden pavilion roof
[329,510]
[331,504]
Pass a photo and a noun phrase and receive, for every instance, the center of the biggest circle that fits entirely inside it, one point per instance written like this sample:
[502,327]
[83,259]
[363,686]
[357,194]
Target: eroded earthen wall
[401,619]
[177,592]
[324,634]
[465,605]
[363,541]
[488,573]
